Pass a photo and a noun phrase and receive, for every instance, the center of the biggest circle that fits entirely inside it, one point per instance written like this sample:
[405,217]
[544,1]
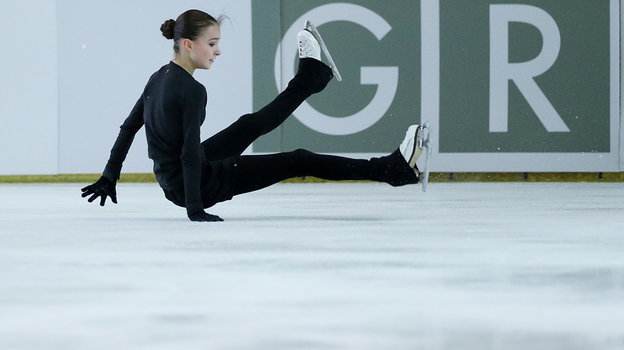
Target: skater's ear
[187,44]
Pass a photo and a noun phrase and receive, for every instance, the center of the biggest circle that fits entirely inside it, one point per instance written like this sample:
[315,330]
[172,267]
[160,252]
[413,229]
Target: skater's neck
[184,63]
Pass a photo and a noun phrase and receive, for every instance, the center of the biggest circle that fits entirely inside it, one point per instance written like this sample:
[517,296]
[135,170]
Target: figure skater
[197,175]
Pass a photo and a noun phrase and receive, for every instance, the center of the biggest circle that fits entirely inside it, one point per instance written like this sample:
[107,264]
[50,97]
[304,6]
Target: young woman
[197,175]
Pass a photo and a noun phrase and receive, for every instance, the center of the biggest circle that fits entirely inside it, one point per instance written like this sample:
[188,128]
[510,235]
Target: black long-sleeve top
[172,108]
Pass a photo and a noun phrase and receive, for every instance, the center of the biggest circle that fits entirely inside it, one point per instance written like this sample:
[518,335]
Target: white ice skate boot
[416,143]
[311,44]
[308,45]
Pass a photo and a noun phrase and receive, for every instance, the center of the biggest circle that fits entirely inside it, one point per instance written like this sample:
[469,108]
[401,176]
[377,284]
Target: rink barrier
[73,178]
[446,177]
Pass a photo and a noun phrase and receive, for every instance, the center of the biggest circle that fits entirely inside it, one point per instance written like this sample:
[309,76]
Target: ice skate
[308,45]
[416,143]
[311,44]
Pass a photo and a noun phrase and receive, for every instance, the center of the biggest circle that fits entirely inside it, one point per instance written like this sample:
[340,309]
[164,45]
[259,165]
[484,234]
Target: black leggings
[251,173]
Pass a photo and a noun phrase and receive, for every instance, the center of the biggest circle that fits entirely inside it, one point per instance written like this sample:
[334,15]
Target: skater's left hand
[103,188]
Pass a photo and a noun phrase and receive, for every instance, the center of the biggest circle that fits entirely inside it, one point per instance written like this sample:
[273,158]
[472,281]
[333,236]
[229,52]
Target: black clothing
[102,188]
[172,108]
[198,175]
[256,172]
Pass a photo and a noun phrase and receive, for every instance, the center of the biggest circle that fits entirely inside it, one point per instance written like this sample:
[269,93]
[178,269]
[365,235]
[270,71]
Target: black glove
[203,216]
[102,188]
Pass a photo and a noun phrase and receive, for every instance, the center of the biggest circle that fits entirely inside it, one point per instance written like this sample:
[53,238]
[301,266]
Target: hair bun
[167,28]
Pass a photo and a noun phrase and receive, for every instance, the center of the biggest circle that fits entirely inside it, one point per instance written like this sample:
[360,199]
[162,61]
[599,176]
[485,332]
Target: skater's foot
[311,44]
[416,143]
[394,171]
[309,47]
[312,69]
[411,148]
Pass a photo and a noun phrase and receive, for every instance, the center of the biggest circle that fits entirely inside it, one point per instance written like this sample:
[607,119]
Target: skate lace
[304,48]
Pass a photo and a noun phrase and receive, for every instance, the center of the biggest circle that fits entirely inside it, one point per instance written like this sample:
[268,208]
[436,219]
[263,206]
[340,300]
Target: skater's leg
[252,173]
[312,77]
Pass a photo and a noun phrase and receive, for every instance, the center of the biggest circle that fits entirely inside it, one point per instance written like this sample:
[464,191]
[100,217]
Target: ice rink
[316,266]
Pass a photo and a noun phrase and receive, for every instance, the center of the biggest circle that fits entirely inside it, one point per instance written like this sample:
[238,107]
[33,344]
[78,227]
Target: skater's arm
[193,111]
[105,186]
[127,131]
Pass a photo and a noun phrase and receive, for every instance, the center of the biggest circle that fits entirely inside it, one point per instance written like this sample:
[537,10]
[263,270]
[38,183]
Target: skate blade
[424,142]
[417,148]
[312,29]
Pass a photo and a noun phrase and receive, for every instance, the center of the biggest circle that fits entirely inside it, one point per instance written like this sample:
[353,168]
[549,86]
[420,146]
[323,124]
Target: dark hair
[188,25]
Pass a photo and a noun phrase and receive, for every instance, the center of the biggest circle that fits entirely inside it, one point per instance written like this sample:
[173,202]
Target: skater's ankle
[313,74]
[393,170]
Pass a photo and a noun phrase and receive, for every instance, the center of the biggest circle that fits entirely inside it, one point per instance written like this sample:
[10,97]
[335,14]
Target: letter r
[522,74]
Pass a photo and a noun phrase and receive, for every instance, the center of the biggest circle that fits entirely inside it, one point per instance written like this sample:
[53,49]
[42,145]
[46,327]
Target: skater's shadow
[299,218]
[280,218]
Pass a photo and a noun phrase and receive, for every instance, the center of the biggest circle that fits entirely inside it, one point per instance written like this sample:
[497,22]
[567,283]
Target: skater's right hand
[203,217]
[103,188]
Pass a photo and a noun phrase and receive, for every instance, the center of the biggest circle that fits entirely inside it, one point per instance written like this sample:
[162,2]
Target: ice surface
[316,266]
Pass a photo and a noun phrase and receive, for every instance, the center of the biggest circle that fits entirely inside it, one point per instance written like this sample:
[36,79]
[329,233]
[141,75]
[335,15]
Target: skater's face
[205,48]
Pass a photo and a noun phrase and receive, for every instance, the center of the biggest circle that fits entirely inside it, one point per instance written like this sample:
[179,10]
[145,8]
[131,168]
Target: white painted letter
[522,74]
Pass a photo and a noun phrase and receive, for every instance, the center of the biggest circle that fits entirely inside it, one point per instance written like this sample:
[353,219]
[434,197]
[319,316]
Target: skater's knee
[301,153]
[250,124]
[246,119]
[300,161]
